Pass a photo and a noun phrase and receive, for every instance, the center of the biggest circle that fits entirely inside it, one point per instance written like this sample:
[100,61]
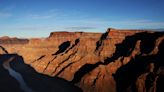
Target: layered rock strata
[114,61]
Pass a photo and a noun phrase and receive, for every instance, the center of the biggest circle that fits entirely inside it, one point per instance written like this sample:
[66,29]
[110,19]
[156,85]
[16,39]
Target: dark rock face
[115,61]
[7,83]
[37,82]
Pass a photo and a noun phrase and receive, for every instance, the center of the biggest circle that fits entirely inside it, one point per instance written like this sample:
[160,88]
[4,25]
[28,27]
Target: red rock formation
[96,62]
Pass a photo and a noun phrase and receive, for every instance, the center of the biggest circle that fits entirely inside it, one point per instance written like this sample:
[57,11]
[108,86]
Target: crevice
[100,42]
[76,43]
[63,47]
[95,80]
[48,64]
[63,69]
[41,57]
[63,62]
[67,66]
[4,49]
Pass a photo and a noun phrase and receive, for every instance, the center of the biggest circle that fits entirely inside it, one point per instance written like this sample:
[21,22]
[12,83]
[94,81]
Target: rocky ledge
[114,61]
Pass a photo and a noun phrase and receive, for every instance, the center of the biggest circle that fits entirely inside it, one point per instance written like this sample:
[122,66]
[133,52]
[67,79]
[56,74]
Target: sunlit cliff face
[114,61]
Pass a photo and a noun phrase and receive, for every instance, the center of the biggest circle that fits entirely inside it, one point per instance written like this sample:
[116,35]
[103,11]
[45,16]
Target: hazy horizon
[37,18]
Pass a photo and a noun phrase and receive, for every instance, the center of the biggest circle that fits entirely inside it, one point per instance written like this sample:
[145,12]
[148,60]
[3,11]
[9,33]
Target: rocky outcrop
[114,61]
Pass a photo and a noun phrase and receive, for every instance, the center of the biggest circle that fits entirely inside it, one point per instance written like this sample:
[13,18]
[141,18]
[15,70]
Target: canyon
[115,61]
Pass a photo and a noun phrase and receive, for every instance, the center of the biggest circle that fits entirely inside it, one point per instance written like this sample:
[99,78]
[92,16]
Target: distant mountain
[14,40]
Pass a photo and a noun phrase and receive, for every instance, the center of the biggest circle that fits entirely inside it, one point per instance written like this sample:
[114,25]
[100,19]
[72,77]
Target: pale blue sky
[37,18]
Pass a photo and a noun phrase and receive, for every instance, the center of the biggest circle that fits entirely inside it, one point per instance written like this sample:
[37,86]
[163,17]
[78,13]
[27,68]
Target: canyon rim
[115,61]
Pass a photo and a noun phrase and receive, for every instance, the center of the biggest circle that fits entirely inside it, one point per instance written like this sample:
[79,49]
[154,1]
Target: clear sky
[37,18]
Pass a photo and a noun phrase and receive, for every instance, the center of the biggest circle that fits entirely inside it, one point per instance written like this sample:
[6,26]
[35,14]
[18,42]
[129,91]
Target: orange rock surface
[96,62]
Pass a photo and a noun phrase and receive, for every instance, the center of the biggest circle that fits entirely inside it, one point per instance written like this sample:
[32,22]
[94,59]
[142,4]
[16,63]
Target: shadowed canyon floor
[114,61]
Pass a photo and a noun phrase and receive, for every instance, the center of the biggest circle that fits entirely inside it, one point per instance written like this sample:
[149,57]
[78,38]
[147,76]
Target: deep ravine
[17,76]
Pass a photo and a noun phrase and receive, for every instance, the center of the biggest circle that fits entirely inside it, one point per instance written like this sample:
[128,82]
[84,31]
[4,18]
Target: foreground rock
[19,77]
[115,61]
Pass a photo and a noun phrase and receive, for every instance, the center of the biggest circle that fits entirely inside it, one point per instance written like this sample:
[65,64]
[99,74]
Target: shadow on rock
[36,81]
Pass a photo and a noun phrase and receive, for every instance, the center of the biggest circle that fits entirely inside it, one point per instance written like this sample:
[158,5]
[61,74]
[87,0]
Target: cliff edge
[114,61]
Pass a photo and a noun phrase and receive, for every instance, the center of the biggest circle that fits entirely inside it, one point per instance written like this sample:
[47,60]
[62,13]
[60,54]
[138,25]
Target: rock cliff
[114,61]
